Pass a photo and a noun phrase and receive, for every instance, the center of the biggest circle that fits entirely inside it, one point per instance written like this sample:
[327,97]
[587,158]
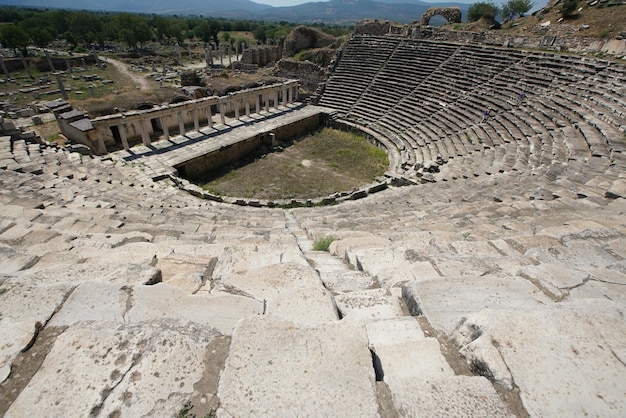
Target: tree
[260,35]
[513,8]
[41,37]
[481,10]
[84,26]
[12,36]
[132,29]
[568,8]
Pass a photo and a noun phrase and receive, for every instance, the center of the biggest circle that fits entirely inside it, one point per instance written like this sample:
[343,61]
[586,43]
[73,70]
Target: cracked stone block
[303,306]
[368,305]
[267,282]
[446,301]
[566,358]
[22,306]
[277,368]
[108,369]
[78,273]
[442,397]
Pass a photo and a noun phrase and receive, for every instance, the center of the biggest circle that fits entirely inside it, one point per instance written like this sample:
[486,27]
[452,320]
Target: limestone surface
[144,369]
[276,368]
[567,359]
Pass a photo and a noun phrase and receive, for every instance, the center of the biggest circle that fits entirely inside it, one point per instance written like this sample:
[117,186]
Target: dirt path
[138,79]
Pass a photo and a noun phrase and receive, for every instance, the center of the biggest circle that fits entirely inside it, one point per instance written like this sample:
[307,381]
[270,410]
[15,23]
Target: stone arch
[451,14]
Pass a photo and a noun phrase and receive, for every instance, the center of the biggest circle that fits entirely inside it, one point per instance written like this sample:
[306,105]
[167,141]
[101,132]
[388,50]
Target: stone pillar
[92,94]
[61,87]
[166,130]
[181,123]
[196,122]
[289,94]
[257,103]
[223,113]
[266,99]
[206,57]
[145,137]
[123,137]
[296,92]
[283,93]
[221,54]
[236,105]
[4,67]
[209,117]
[102,149]
[247,99]
[276,99]
[26,67]
[69,66]
[230,58]
[50,64]
[178,57]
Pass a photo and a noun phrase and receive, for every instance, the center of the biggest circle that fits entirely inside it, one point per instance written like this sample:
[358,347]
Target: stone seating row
[516,123]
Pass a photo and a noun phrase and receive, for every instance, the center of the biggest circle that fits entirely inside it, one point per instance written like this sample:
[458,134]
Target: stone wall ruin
[106,133]
[451,14]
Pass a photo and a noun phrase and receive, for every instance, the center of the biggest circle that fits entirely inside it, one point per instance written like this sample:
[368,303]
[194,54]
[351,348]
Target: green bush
[481,10]
[322,244]
[568,8]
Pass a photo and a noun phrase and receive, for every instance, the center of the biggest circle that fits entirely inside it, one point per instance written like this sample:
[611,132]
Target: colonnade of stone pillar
[263,99]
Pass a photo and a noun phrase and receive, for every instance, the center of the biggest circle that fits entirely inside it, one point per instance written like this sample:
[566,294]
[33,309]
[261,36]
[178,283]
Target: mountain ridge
[340,12]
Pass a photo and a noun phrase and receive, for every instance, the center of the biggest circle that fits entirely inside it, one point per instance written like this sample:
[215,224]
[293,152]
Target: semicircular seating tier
[427,98]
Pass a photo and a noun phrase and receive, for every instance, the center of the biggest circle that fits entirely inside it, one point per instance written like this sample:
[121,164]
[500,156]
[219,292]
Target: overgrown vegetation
[20,27]
[482,10]
[322,244]
[319,165]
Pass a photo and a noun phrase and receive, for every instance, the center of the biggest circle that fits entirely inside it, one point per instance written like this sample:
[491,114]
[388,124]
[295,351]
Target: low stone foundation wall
[197,168]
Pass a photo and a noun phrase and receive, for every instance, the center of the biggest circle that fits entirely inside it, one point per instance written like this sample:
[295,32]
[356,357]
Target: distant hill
[340,12]
[183,7]
[350,11]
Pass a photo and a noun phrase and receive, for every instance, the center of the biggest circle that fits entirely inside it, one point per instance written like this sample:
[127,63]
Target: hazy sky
[279,3]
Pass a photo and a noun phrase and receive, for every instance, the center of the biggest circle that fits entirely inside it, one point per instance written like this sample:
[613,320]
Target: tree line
[20,27]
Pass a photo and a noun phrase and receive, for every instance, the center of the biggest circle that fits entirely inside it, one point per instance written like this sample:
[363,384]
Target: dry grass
[327,162]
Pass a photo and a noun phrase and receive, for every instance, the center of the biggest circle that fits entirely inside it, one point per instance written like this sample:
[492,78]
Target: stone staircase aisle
[413,377]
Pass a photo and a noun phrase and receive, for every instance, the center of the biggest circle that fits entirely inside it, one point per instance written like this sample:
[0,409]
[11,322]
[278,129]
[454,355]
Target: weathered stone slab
[276,368]
[443,397]
[343,281]
[266,282]
[567,359]
[22,306]
[100,368]
[445,302]
[98,301]
[368,305]
[303,306]
[404,351]
[12,261]
[78,273]
[556,280]
[241,257]
[221,312]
